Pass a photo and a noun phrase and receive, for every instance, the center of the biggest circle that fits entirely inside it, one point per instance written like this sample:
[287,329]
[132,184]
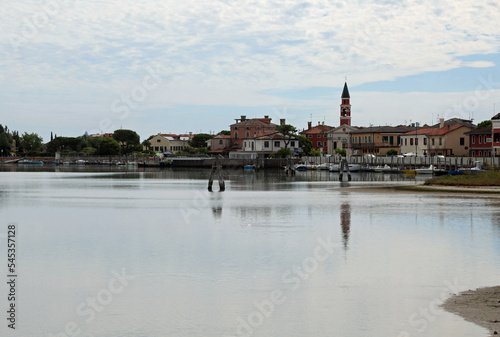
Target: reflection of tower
[345,223]
[345,107]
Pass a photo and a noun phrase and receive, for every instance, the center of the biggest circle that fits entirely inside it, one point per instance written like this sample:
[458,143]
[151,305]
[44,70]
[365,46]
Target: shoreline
[480,306]
[488,191]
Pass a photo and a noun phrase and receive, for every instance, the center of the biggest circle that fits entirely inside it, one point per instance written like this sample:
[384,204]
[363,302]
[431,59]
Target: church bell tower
[345,107]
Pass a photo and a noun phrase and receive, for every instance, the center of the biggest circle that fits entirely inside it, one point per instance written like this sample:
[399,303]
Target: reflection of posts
[345,223]
[216,168]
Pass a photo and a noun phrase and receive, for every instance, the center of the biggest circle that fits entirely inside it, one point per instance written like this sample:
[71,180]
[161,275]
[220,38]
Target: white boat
[352,167]
[381,169]
[473,170]
[324,166]
[429,170]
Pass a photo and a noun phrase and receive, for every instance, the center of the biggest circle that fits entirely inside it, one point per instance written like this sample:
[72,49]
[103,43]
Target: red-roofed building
[318,136]
[443,139]
[480,142]
[249,128]
[496,134]
[220,143]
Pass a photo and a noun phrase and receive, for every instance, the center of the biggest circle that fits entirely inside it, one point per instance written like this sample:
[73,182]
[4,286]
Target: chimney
[323,123]
[282,121]
[309,125]
[243,118]
[319,123]
[266,116]
[441,122]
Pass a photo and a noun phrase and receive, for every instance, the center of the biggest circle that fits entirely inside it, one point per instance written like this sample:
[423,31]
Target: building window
[266,143]
[385,139]
[277,143]
[309,136]
[425,141]
[496,137]
[236,135]
[248,134]
[480,153]
[406,141]
[235,128]
[462,141]
[245,144]
[416,141]
[440,141]
[220,141]
[158,140]
[319,144]
[480,140]
[248,128]
[411,141]
[156,148]
[292,143]
[433,142]
[485,139]
[473,138]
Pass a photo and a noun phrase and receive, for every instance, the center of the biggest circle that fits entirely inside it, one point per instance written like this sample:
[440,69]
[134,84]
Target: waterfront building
[496,134]
[169,142]
[377,140]
[480,142]
[249,128]
[318,136]
[268,144]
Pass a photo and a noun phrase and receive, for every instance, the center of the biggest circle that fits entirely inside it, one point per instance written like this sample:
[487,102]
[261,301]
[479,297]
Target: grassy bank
[483,179]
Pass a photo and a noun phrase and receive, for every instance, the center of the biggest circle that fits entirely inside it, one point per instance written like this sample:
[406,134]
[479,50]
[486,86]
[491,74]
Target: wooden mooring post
[343,164]
[216,169]
[290,167]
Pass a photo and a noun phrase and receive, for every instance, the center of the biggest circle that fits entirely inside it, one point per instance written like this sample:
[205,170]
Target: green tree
[315,152]
[199,140]
[5,140]
[340,152]
[484,124]
[31,142]
[106,146]
[305,144]
[392,152]
[225,132]
[284,152]
[128,139]
[287,131]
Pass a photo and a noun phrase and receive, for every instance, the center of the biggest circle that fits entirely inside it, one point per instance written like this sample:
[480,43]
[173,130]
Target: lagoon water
[128,252]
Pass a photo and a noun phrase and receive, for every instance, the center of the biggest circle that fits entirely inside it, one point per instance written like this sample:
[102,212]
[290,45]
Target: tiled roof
[481,131]
[317,129]
[497,116]
[255,122]
[384,129]
[269,136]
[433,131]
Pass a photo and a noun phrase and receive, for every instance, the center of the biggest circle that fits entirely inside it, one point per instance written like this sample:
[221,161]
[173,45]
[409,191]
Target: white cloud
[222,52]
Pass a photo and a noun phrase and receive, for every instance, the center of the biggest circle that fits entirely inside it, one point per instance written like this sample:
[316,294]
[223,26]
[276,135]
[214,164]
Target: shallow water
[270,256]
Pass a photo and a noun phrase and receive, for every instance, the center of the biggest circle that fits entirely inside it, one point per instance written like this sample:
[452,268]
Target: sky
[71,67]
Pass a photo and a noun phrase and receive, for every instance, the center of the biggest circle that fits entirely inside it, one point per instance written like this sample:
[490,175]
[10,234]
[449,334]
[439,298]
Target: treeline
[31,144]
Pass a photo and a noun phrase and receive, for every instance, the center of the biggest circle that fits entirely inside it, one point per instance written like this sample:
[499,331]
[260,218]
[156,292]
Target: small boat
[80,162]
[352,167]
[429,170]
[324,166]
[29,162]
[473,170]
[301,167]
[381,169]
[249,167]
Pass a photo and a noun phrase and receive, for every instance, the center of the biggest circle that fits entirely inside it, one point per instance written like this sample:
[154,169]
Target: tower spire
[345,107]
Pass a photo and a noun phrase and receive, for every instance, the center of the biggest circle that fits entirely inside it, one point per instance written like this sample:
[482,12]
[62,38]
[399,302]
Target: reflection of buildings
[345,223]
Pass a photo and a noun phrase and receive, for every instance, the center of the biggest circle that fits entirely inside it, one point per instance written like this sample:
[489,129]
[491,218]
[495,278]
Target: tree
[225,133]
[31,142]
[128,139]
[284,152]
[305,144]
[485,124]
[199,140]
[340,152]
[106,146]
[287,131]
[5,140]
[392,152]
[146,143]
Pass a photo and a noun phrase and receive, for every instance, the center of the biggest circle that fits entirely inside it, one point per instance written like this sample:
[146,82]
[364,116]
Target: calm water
[150,253]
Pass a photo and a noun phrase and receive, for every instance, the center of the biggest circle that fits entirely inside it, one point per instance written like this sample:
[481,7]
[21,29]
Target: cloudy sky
[178,66]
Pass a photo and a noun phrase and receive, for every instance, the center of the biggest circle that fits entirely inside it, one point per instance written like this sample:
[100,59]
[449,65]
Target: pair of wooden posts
[344,165]
[216,170]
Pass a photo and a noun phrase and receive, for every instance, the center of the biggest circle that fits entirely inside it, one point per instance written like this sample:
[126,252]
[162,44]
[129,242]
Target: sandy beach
[480,306]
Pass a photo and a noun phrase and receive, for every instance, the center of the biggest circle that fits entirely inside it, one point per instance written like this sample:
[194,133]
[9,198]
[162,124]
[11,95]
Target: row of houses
[258,137]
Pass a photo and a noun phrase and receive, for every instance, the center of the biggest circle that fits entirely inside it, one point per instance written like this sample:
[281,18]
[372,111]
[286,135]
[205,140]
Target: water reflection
[345,223]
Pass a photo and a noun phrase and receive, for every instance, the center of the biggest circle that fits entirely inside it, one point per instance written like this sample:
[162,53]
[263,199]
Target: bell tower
[345,107]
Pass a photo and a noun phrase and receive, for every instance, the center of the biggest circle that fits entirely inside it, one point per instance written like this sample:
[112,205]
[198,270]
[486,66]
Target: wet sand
[480,306]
